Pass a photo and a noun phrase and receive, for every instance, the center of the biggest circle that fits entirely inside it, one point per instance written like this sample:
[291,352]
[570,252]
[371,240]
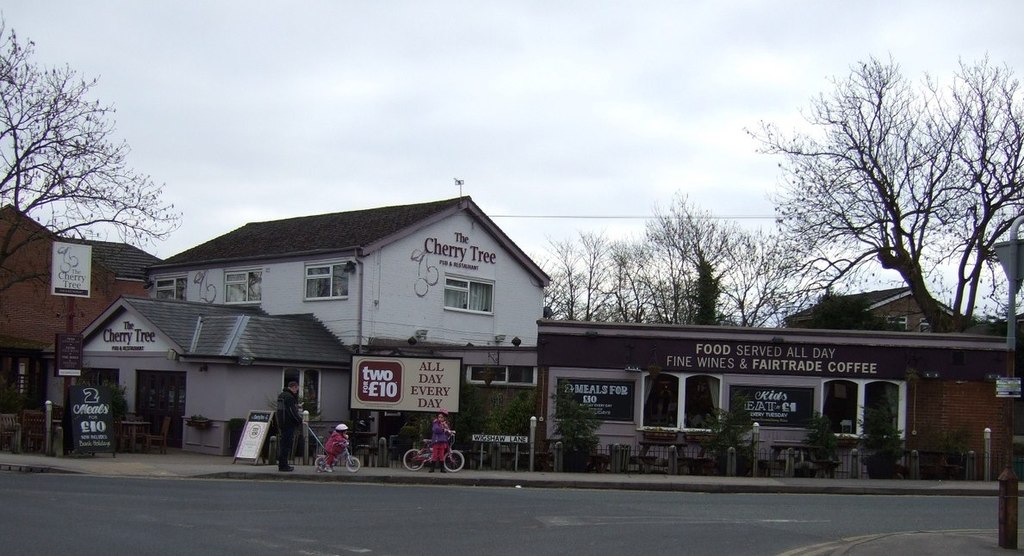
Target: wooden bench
[10,432]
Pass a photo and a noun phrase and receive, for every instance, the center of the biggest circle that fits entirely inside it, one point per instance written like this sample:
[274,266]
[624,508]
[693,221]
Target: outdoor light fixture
[499,338]
[516,341]
[421,334]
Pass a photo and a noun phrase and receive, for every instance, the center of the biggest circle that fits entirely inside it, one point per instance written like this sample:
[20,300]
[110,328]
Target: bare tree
[691,246]
[922,180]
[631,274]
[762,283]
[61,165]
[578,289]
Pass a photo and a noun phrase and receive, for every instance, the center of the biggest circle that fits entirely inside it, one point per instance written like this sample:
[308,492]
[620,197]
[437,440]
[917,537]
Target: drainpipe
[359,310]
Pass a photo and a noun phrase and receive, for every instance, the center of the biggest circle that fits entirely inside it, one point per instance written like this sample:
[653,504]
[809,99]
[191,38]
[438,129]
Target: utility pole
[1009,255]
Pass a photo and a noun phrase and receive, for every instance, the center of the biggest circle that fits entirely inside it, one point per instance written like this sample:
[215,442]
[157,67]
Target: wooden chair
[161,438]
[33,430]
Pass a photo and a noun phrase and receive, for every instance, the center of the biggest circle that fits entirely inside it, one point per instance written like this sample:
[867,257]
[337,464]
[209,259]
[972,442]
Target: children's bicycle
[415,458]
[352,463]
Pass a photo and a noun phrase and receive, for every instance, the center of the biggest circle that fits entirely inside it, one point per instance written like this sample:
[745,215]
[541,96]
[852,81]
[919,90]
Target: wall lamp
[516,341]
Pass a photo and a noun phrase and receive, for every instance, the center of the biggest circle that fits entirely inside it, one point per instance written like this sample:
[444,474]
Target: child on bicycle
[440,430]
[336,445]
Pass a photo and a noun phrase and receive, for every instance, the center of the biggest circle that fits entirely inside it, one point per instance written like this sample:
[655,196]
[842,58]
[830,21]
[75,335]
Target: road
[84,515]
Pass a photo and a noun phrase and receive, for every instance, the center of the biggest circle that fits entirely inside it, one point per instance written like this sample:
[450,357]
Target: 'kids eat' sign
[405,383]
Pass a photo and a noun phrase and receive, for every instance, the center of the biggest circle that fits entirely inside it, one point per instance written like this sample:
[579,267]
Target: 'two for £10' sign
[405,383]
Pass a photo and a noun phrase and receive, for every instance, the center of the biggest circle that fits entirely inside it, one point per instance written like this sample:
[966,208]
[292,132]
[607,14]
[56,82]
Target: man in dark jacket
[288,419]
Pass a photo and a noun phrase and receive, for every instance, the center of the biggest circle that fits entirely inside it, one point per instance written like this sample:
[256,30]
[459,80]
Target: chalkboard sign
[250,445]
[92,419]
[611,400]
[782,406]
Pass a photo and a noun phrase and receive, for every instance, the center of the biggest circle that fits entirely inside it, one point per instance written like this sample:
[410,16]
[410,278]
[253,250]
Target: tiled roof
[306,234]
[871,299]
[241,332]
[125,261]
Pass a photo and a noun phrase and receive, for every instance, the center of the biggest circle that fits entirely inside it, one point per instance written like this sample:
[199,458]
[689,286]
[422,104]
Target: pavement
[177,464]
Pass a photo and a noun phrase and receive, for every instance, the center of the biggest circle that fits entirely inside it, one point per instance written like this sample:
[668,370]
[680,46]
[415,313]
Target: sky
[560,117]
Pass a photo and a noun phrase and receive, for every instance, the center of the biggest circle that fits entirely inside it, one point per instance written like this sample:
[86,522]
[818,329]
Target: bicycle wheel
[353,464]
[454,461]
[321,463]
[412,460]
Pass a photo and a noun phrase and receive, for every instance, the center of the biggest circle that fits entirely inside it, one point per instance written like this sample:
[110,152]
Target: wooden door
[160,394]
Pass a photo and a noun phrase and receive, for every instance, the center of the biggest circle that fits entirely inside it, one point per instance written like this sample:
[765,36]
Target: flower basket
[660,436]
[201,424]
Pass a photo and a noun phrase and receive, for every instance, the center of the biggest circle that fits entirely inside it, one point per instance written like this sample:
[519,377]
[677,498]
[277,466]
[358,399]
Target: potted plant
[883,438]
[576,425]
[821,439]
[730,429]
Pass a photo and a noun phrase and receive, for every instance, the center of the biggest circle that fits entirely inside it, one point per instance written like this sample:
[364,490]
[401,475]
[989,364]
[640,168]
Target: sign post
[1009,255]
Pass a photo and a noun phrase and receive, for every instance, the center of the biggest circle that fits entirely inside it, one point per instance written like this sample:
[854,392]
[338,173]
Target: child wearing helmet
[440,430]
[336,445]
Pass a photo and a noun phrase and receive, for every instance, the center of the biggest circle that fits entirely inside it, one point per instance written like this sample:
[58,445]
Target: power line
[629,217]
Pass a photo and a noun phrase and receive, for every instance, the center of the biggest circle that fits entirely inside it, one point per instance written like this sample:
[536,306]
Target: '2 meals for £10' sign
[405,383]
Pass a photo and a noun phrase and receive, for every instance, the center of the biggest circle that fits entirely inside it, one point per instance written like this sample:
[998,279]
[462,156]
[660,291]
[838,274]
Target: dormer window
[243,286]
[326,281]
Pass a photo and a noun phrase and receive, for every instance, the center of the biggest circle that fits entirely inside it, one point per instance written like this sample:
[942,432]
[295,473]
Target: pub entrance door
[159,394]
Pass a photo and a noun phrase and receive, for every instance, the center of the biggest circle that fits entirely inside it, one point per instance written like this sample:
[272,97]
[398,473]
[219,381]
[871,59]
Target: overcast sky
[252,110]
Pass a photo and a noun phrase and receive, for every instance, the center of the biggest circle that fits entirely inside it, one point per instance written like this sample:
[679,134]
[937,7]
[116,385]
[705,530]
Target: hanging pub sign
[771,405]
[92,419]
[611,400]
[71,269]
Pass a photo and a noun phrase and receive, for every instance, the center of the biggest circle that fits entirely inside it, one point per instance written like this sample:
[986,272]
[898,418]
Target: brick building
[30,316]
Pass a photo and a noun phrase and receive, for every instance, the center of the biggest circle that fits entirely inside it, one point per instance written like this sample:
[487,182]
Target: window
[490,374]
[897,323]
[701,400]
[469,295]
[326,281]
[243,286]
[660,406]
[841,405]
[309,387]
[170,288]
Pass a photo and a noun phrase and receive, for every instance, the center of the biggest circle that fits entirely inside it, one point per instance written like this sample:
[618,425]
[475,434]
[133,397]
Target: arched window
[840,405]
[662,404]
[702,400]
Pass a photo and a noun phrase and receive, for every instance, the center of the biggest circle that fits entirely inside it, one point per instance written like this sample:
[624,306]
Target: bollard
[533,439]
[382,452]
[47,429]
[673,460]
[730,462]
[971,469]
[558,456]
[272,449]
[303,436]
[915,465]
[754,440]
[790,463]
[58,440]
[616,458]
[988,454]
[854,464]
[495,456]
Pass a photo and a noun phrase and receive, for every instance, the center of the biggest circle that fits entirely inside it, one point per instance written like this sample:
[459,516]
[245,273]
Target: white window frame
[475,375]
[335,271]
[309,380]
[231,284]
[900,323]
[467,289]
[175,285]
